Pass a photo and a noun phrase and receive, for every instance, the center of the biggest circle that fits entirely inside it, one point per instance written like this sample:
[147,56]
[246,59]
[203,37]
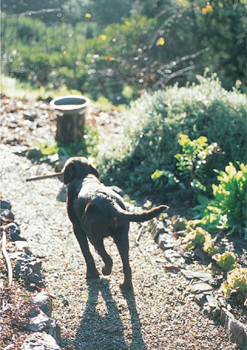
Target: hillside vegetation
[120,48]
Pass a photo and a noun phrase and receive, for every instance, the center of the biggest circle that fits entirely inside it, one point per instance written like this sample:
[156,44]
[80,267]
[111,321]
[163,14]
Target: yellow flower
[103,36]
[160,41]
[127,23]
[88,15]
[204,10]
[209,8]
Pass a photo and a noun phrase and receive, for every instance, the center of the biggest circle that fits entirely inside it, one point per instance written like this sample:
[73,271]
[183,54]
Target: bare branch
[31,13]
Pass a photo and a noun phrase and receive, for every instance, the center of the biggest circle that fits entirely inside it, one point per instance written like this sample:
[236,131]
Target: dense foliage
[228,208]
[119,48]
[191,165]
[155,121]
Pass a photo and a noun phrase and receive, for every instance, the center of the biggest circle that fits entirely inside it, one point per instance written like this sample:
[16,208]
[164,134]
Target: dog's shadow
[105,330]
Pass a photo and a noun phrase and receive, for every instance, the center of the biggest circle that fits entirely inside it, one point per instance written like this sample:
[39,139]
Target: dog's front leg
[82,239]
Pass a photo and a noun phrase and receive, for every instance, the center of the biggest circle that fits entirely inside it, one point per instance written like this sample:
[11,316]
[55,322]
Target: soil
[160,313]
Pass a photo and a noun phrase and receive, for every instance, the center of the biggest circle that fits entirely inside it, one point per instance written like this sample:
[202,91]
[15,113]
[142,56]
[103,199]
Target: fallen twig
[42,177]
[10,273]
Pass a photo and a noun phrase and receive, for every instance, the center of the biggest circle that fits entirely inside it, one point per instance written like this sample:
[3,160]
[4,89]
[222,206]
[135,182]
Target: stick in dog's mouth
[42,177]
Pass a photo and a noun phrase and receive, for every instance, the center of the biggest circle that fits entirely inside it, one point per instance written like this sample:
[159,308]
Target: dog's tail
[119,213]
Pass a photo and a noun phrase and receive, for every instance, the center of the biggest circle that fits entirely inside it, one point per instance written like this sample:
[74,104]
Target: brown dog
[96,212]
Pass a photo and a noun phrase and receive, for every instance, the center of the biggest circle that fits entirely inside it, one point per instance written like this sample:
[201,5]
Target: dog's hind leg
[82,240]
[122,242]
[99,246]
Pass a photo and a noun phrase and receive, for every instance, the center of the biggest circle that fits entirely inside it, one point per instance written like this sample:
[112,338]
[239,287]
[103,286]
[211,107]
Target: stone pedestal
[70,118]
[69,128]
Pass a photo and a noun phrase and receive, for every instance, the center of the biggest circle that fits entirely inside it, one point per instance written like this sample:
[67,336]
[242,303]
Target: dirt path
[95,314]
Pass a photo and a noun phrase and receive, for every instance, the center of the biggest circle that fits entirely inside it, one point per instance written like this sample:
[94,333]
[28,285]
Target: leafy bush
[236,284]
[190,164]
[228,209]
[197,237]
[153,125]
[225,261]
[209,246]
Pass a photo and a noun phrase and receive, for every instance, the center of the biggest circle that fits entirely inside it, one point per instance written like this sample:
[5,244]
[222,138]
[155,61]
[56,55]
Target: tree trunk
[70,127]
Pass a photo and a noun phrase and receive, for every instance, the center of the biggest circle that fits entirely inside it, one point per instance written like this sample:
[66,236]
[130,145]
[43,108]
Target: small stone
[203,276]
[188,257]
[211,308]
[6,215]
[167,241]
[42,323]
[19,150]
[33,312]
[23,247]
[12,231]
[172,268]
[43,301]
[65,302]
[155,227]
[174,257]
[212,301]
[200,299]
[40,341]
[5,205]
[237,331]
[34,153]
[200,253]
[222,301]
[52,159]
[198,288]
[27,267]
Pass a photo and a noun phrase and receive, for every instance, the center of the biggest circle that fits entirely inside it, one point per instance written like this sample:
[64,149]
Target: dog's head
[78,168]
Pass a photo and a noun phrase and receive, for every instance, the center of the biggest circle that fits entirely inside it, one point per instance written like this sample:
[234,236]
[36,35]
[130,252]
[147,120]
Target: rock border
[45,331]
[213,306]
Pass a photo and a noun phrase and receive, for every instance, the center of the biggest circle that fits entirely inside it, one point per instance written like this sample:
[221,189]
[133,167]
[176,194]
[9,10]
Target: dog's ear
[69,172]
[94,171]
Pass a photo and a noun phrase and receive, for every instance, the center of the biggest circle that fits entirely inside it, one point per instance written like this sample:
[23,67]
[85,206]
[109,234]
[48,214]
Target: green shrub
[228,209]
[153,125]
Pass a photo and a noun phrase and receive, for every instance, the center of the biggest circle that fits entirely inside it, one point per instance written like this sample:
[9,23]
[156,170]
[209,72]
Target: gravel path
[95,314]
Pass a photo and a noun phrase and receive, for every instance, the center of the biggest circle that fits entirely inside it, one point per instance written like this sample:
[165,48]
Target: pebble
[198,288]
[203,276]
[174,257]
[12,231]
[43,301]
[34,153]
[167,241]
[40,341]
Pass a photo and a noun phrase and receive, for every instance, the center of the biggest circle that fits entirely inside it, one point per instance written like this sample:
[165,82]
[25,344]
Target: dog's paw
[106,270]
[92,274]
